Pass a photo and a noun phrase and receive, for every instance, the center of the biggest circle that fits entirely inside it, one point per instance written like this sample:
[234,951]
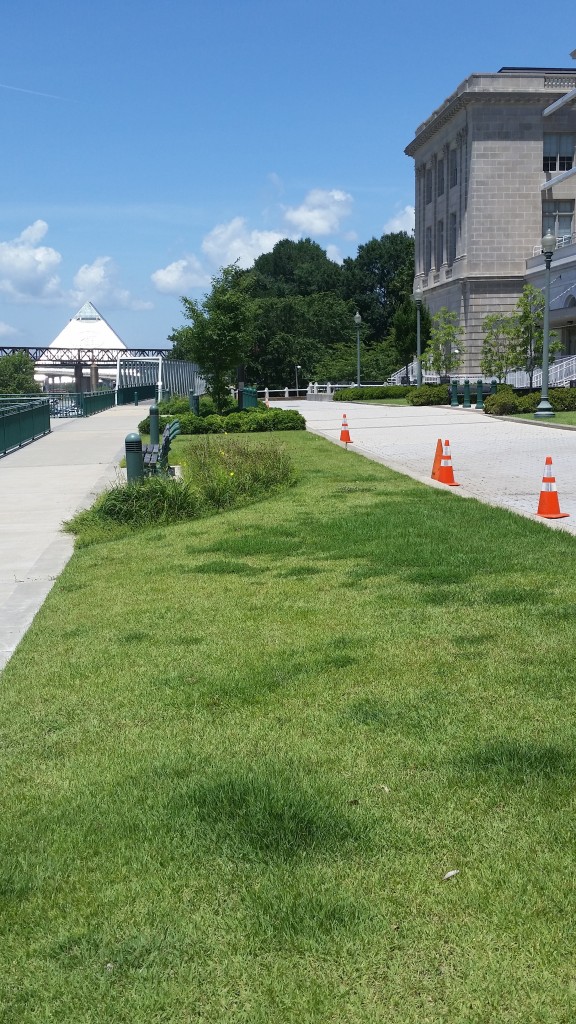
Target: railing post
[134,461]
[154,425]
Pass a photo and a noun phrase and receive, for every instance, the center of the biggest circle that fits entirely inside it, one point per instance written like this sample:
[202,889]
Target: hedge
[235,423]
[506,403]
[371,394]
[429,394]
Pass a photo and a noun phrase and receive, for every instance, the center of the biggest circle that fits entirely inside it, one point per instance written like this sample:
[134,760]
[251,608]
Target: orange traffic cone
[549,506]
[437,459]
[345,433]
[445,472]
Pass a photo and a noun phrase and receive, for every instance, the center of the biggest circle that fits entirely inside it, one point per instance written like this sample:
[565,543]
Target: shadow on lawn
[516,762]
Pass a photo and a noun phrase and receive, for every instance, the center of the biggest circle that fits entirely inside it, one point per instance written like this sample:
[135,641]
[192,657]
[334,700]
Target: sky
[147,145]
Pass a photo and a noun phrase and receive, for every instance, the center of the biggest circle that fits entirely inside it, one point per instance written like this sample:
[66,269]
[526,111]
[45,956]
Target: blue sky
[144,146]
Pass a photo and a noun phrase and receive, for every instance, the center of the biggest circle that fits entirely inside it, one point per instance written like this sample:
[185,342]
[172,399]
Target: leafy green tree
[220,335]
[404,329]
[445,348]
[378,280]
[17,375]
[500,349]
[527,330]
[293,268]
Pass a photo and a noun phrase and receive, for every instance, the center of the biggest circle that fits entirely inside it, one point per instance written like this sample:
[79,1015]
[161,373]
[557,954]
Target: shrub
[429,394]
[174,406]
[503,403]
[248,422]
[371,394]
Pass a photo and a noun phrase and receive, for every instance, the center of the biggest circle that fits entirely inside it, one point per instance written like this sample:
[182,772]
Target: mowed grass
[559,417]
[240,755]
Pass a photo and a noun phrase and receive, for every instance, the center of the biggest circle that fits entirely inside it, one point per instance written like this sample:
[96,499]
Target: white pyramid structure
[87,329]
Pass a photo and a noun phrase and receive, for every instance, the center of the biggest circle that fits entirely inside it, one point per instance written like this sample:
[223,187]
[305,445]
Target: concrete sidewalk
[498,461]
[42,485]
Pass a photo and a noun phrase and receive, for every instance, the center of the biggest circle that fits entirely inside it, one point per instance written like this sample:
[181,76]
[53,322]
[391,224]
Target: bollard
[286,393]
[467,403]
[479,395]
[134,461]
[135,398]
[154,425]
[493,387]
[194,402]
[454,394]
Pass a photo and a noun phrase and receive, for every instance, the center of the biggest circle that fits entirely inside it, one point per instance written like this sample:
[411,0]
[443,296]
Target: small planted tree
[444,352]
[527,331]
[500,349]
[219,337]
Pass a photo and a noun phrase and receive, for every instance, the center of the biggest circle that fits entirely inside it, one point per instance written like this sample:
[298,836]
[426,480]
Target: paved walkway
[42,485]
[498,461]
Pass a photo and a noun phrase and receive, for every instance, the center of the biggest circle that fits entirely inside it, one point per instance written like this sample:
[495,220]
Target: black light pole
[357,321]
[545,410]
[418,301]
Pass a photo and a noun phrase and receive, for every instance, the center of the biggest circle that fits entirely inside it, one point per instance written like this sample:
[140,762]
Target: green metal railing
[22,422]
[126,395]
[96,401]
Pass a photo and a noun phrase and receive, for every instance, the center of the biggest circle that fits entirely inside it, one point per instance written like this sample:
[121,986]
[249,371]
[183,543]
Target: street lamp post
[357,321]
[298,367]
[545,410]
[418,300]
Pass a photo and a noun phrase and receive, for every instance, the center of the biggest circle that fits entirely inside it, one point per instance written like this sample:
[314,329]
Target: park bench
[155,456]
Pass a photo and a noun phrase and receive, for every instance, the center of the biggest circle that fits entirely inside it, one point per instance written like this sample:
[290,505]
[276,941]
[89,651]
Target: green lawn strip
[239,755]
[559,417]
[381,401]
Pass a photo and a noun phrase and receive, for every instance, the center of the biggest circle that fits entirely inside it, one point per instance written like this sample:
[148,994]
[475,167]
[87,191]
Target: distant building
[494,168]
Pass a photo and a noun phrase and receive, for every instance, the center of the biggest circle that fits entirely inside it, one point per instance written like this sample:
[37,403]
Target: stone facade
[479,207]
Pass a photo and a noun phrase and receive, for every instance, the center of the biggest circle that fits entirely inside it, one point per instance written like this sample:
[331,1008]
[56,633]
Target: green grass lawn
[240,755]
[559,417]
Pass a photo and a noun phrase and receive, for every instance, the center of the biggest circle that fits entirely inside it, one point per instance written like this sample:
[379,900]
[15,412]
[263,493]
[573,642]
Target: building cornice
[461,100]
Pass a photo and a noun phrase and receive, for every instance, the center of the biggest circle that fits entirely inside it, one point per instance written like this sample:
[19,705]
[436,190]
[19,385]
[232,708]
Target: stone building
[493,167]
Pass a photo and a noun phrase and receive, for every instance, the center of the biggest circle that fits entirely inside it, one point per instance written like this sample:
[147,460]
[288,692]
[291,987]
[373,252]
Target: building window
[558,217]
[440,178]
[439,244]
[429,185]
[428,253]
[559,152]
[452,236]
[453,168]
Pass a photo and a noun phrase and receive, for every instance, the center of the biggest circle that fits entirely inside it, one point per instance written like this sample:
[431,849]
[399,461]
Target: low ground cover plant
[216,474]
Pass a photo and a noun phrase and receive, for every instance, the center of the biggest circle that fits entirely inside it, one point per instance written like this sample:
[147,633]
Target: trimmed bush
[429,394]
[371,394]
[248,422]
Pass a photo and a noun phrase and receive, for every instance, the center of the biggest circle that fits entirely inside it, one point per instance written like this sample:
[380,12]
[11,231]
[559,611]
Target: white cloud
[321,212]
[178,277]
[6,331]
[28,270]
[231,242]
[96,282]
[401,221]
[333,253]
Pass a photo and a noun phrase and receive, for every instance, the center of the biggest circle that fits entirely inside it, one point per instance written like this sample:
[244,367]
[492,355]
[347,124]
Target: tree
[379,279]
[404,330]
[527,330]
[220,336]
[445,347]
[500,349]
[17,375]
[293,268]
